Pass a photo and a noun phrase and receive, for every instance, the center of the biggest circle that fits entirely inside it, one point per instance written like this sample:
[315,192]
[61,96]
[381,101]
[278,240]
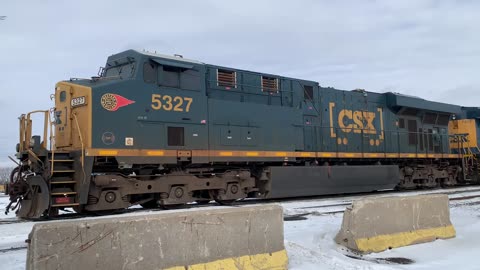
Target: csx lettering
[356,121]
[167,103]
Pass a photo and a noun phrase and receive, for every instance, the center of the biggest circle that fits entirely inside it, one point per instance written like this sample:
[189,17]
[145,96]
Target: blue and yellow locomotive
[160,130]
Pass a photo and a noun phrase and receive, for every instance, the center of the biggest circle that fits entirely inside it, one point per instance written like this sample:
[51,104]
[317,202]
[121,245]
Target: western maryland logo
[113,102]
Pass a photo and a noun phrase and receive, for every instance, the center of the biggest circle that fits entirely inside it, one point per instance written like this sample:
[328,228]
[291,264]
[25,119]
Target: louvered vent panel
[269,84]
[226,78]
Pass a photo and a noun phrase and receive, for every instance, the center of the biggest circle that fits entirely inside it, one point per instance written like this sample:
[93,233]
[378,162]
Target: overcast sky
[424,48]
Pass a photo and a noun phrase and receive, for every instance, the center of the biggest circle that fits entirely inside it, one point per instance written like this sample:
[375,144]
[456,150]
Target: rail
[81,142]
[26,130]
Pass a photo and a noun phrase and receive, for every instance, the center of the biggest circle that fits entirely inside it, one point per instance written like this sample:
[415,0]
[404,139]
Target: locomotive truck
[159,130]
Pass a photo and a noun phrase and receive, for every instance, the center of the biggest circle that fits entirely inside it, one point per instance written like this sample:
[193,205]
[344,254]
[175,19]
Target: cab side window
[63,96]
[171,76]
[187,79]
[149,72]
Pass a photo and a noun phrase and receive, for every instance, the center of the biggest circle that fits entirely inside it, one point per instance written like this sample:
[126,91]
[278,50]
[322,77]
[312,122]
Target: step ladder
[62,184]
[470,161]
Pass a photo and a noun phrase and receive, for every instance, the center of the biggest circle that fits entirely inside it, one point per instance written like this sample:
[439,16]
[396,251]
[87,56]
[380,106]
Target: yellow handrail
[81,142]
[26,129]
[22,132]
[52,148]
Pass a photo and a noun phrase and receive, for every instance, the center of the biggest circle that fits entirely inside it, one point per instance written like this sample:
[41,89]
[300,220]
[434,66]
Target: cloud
[424,47]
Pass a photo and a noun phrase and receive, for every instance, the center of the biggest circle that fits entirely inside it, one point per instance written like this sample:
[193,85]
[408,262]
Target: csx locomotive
[157,130]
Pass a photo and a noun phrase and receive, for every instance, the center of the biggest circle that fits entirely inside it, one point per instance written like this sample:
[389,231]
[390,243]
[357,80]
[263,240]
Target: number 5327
[168,103]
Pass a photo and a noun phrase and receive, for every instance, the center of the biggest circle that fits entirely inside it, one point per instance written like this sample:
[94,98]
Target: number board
[169,103]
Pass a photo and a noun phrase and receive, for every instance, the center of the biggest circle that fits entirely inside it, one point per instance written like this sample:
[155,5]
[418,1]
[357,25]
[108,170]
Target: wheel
[216,196]
[14,175]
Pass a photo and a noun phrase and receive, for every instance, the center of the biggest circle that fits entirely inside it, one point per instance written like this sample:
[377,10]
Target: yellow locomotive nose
[467,143]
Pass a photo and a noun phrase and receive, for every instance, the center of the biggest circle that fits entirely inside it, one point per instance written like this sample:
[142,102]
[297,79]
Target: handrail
[22,133]
[52,146]
[26,129]
[81,142]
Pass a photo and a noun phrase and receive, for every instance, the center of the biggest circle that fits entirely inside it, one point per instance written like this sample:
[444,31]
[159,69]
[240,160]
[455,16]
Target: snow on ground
[309,240]
[310,244]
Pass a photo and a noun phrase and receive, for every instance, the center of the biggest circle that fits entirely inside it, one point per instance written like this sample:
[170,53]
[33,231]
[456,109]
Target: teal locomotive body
[160,130]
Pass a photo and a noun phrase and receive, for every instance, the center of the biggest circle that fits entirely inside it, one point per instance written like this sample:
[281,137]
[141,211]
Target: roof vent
[178,55]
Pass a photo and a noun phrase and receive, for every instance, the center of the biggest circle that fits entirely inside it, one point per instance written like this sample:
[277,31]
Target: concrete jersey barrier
[226,238]
[374,225]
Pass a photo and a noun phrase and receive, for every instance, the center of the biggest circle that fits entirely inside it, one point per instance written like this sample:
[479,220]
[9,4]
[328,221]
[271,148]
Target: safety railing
[48,136]
[26,130]
[82,161]
[464,147]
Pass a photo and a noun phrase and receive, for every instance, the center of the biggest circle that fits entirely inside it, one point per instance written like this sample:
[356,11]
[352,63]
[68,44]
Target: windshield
[123,70]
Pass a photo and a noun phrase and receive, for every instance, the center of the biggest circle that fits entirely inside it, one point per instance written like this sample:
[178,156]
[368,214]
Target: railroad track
[12,220]
[457,198]
[338,207]
[10,249]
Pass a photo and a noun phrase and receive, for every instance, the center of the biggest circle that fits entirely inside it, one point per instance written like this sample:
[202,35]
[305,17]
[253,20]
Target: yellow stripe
[271,261]
[349,155]
[377,155]
[382,242]
[325,154]
[107,153]
[269,154]
[408,155]
[155,153]
[305,154]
